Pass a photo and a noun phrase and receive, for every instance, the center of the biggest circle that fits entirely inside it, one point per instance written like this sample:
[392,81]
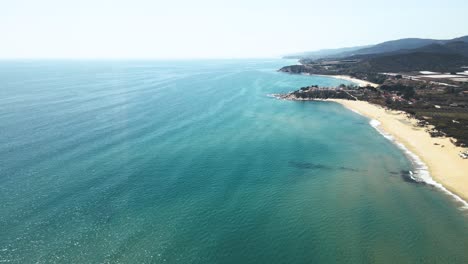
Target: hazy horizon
[208,29]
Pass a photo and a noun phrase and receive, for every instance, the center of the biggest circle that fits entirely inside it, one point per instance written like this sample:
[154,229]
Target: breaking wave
[420,173]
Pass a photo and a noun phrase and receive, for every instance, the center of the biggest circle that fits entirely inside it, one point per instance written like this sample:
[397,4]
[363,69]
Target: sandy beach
[439,154]
[359,82]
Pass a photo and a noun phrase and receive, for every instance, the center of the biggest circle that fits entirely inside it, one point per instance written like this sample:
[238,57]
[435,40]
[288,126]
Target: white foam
[374,123]
[421,172]
[357,112]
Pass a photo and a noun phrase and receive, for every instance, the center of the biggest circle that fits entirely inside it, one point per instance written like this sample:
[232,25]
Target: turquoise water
[192,162]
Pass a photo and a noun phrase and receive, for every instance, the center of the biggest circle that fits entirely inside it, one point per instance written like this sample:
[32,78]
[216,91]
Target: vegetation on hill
[384,47]
[448,57]
[323,53]
[415,61]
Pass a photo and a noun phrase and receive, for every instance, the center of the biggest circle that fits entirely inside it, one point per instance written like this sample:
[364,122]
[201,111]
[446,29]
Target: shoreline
[435,159]
[359,82]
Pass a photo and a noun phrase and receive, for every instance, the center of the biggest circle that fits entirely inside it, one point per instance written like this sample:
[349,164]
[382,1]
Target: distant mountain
[431,48]
[393,46]
[463,39]
[404,55]
[368,66]
[433,57]
[426,45]
[413,61]
[457,47]
[323,53]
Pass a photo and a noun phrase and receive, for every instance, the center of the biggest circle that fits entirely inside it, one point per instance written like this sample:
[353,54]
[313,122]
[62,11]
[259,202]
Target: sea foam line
[421,171]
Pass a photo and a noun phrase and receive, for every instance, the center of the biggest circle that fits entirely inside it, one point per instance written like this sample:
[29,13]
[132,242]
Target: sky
[191,29]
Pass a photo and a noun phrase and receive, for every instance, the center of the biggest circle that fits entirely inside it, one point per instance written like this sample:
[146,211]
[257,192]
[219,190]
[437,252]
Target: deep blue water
[192,162]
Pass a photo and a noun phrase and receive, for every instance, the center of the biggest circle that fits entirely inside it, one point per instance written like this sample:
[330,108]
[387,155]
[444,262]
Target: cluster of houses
[436,133]
[393,97]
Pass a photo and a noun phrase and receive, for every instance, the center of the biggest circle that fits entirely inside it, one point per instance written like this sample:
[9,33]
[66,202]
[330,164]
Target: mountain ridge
[383,47]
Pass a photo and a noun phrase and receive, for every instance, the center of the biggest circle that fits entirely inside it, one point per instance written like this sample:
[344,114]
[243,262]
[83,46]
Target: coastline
[359,82]
[448,171]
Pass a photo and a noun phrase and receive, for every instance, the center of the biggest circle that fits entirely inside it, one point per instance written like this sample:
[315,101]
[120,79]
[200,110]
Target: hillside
[323,53]
[394,46]
[388,62]
[439,57]
[414,61]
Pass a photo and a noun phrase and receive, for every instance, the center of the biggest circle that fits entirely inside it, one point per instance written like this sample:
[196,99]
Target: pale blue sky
[215,29]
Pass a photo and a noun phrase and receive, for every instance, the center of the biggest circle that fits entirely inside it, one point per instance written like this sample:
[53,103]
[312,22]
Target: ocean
[194,162]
